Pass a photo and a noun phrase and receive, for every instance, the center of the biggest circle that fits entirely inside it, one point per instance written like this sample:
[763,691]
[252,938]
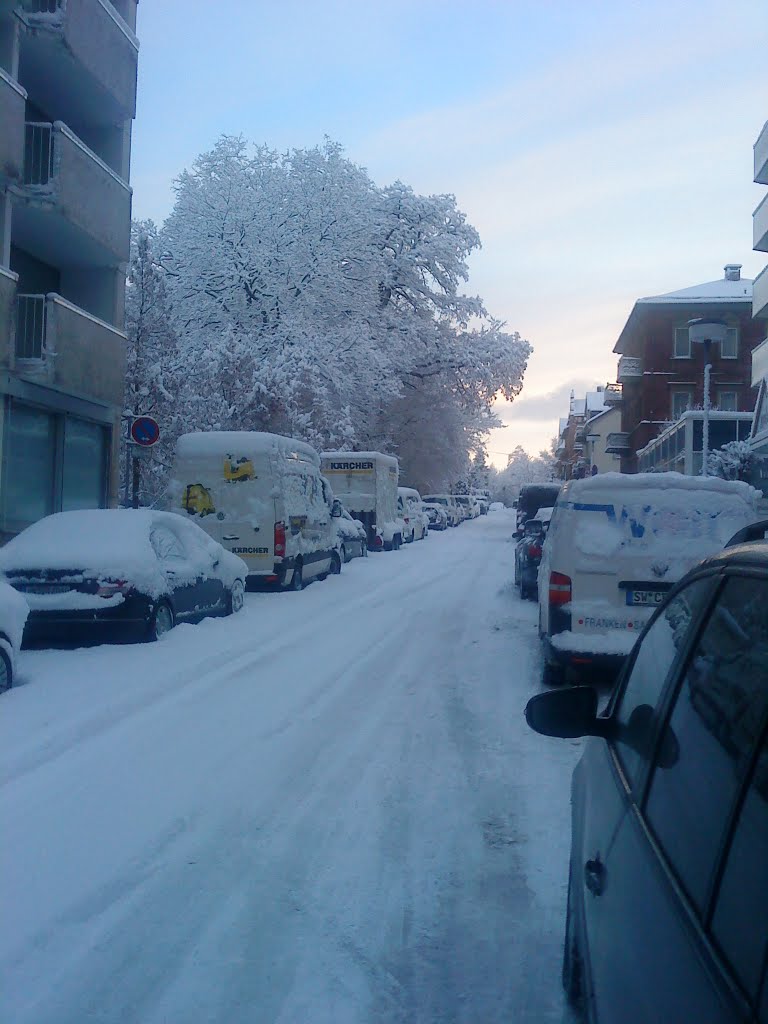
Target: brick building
[662,375]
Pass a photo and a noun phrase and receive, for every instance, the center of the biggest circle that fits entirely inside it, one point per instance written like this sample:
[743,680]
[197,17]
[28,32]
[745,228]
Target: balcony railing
[42,6]
[612,394]
[760,226]
[31,321]
[630,366]
[617,444]
[38,153]
[761,156]
[760,295]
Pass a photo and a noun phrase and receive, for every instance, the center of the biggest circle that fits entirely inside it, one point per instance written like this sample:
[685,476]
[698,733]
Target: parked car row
[242,509]
[667,907]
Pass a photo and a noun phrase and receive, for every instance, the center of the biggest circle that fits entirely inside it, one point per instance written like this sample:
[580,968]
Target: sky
[603,150]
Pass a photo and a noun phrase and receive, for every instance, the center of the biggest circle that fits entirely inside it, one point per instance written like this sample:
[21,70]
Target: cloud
[542,407]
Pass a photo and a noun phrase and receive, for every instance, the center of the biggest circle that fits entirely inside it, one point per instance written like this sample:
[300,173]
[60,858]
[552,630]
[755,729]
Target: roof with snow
[730,290]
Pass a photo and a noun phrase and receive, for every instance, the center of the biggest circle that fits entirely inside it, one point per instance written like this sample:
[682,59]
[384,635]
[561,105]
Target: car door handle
[594,875]
[230,536]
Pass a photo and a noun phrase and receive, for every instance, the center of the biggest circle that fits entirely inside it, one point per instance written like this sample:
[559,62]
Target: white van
[615,545]
[262,497]
[410,508]
[366,484]
[448,501]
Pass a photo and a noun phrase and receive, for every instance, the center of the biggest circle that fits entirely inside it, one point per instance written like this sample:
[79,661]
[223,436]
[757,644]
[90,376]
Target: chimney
[733,271]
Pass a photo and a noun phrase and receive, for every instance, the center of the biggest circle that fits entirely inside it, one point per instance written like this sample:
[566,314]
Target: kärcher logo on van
[250,551]
[350,467]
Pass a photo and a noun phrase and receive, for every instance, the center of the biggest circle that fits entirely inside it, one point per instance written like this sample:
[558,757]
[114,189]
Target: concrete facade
[67,100]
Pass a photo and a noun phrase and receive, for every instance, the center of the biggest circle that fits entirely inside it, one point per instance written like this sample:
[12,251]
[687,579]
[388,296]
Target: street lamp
[704,332]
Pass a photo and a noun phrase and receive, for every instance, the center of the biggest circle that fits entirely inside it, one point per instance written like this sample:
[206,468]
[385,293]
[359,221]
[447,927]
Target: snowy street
[327,808]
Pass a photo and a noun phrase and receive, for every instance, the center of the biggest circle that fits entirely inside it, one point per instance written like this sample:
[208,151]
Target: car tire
[571,960]
[162,622]
[364,550]
[236,598]
[335,564]
[553,675]
[297,580]
[343,553]
[412,538]
[6,672]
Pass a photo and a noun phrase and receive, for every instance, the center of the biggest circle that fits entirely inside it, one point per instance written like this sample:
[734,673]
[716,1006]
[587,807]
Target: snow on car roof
[242,442]
[105,543]
[408,492]
[619,483]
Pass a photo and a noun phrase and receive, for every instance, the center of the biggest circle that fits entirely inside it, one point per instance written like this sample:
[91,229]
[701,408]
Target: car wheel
[412,538]
[343,554]
[571,958]
[553,675]
[162,621]
[364,550]
[236,598]
[335,564]
[297,580]
[6,672]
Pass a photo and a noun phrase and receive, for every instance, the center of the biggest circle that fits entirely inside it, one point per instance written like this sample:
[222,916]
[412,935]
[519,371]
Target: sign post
[144,432]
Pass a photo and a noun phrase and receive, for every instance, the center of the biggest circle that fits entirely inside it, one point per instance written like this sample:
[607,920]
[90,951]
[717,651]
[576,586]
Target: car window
[740,921]
[654,658]
[166,544]
[714,726]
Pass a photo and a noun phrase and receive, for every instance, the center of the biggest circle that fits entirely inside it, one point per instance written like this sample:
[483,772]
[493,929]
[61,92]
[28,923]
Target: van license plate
[645,597]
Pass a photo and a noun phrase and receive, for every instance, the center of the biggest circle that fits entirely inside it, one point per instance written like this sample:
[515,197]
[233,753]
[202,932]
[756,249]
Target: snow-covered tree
[311,302]
[731,462]
[152,359]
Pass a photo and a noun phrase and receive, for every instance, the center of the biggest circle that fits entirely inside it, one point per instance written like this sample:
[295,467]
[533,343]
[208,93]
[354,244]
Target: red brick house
[663,375]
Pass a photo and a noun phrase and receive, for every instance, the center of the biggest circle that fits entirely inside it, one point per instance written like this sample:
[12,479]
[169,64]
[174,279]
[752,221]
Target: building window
[729,349]
[727,401]
[681,400]
[682,349]
[85,464]
[29,465]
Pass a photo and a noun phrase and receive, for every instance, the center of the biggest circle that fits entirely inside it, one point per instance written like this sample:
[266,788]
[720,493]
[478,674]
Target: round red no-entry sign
[145,431]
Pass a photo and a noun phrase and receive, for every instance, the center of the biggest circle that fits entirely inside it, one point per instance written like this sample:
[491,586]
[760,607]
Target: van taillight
[559,588]
[279,540]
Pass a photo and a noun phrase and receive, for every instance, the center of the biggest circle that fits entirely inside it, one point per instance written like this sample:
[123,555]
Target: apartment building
[662,373]
[759,436]
[67,101]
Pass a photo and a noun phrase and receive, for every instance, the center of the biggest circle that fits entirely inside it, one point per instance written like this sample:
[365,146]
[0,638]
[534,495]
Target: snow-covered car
[351,536]
[496,506]
[119,572]
[616,544]
[13,614]
[436,515]
[448,502]
[528,557]
[409,509]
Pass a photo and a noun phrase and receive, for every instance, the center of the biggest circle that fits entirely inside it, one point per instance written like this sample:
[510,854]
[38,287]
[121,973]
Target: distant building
[759,437]
[67,100]
[573,454]
[662,374]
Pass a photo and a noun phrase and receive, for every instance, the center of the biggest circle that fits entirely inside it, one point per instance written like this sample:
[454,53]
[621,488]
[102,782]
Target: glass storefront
[52,461]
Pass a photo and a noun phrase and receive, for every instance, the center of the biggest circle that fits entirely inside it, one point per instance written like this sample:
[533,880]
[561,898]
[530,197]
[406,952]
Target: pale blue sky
[602,149]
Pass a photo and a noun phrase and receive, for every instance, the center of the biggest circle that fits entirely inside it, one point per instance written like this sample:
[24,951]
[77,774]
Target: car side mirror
[566,713]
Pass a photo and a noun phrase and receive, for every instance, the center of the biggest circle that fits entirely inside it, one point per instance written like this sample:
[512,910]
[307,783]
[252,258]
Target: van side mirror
[566,713]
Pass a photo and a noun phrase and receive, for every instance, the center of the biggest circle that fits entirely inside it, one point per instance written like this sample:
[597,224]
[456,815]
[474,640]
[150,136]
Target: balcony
[760,296]
[75,209]
[61,345]
[12,104]
[630,367]
[82,57]
[618,444]
[760,362]
[7,324]
[612,394]
[761,156]
[760,226]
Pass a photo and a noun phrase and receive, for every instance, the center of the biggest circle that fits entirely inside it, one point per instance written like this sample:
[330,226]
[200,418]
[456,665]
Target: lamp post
[704,331]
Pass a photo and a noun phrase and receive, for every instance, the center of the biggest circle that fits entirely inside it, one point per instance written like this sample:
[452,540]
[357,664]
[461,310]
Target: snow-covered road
[325,809]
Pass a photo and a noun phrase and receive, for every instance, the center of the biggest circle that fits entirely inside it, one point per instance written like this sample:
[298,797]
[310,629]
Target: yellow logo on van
[197,500]
[238,469]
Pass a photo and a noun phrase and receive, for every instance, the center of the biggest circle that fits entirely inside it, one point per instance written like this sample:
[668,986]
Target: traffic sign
[145,431]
